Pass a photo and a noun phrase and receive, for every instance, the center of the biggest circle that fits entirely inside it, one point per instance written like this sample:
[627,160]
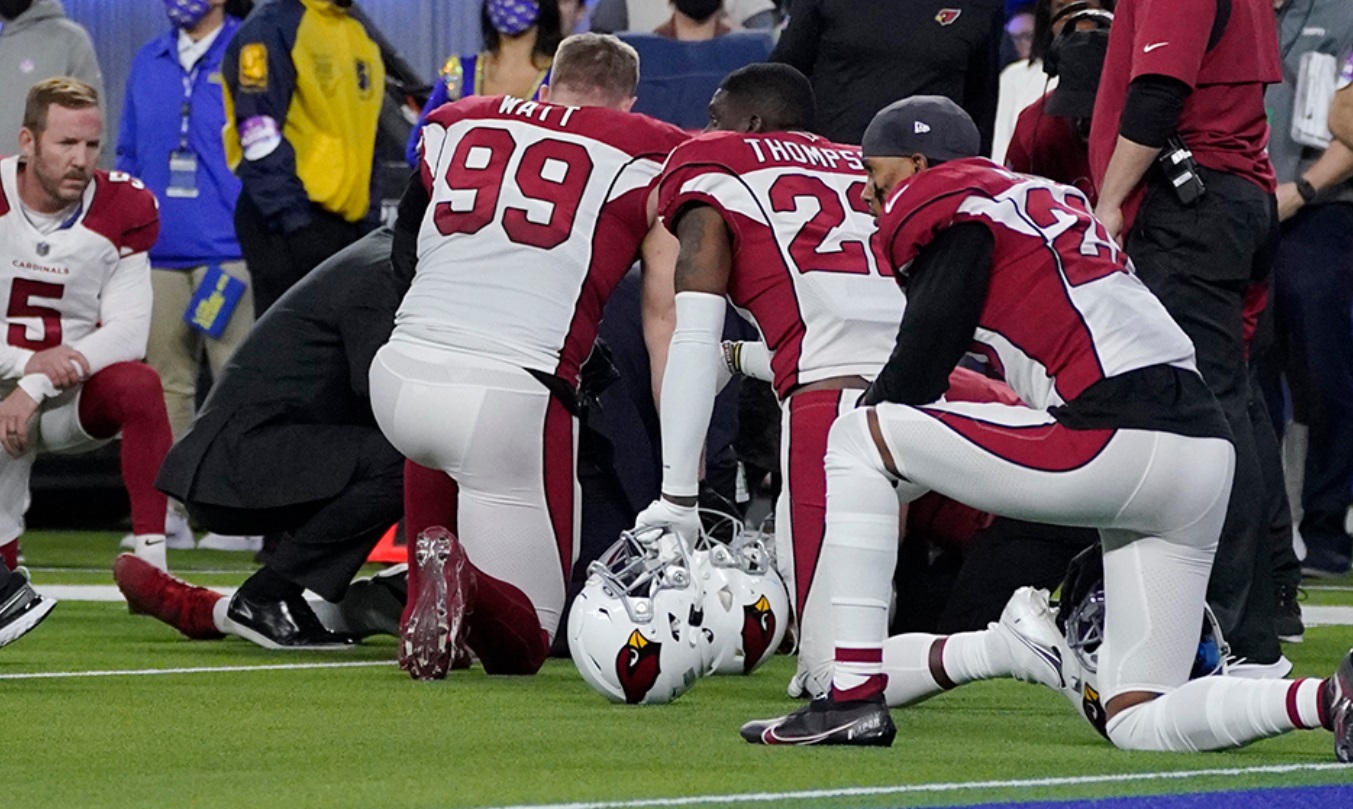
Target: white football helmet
[634,628]
[745,606]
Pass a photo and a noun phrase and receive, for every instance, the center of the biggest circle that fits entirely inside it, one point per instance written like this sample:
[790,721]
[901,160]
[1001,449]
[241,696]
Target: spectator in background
[861,57]
[1019,29]
[1341,111]
[1200,231]
[572,16]
[38,41]
[1313,267]
[695,21]
[1024,82]
[1051,136]
[621,16]
[304,87]
[520,38]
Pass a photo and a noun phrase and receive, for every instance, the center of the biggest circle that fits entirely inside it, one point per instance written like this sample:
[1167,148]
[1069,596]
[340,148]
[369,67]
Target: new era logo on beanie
[933,126]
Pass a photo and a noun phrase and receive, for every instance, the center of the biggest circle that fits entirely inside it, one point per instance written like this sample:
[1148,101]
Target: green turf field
[367,736]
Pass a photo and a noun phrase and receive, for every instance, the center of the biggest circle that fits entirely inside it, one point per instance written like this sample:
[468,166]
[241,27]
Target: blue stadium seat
[677,78]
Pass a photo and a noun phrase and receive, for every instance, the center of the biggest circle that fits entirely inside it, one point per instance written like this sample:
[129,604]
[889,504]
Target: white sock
[981,655]
[859,552]
[218,616]
[906,661]
[1213,713]
[150,547]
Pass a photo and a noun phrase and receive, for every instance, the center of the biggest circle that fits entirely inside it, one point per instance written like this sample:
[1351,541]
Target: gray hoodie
[40,44]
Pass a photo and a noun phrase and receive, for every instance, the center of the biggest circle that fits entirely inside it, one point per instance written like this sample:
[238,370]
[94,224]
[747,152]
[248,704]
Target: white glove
[663,514]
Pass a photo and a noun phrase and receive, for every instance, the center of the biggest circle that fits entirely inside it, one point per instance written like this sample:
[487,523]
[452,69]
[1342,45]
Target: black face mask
[699,10]
[9,9]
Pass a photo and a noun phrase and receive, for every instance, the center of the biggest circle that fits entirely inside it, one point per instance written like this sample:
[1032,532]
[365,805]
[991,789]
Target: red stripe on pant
[810,419]
[430,498]
[127,398]
[559,476]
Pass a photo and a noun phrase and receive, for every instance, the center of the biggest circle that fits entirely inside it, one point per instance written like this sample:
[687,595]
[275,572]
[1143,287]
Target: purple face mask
[513,17]
[186,13]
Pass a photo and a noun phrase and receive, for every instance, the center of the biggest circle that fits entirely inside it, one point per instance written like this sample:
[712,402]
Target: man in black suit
[286,442]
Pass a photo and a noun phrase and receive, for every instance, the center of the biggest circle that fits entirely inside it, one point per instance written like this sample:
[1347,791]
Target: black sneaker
[282,624]
[1287,614]
[865,723]
[21,608]
[1338,708]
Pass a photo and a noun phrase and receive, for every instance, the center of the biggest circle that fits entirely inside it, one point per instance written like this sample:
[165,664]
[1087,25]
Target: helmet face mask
[746,606]
[634,627]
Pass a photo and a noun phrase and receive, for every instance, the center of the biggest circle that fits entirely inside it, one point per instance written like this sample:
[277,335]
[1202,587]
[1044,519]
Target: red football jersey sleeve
[125,212]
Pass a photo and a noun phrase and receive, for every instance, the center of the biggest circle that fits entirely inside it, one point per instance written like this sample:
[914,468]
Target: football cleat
[22,609]
[1338,707]
[151,591]
[1029,626]
[863,723]
[435,632]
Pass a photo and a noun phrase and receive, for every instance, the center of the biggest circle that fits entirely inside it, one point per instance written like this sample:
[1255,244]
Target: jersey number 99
[553,173]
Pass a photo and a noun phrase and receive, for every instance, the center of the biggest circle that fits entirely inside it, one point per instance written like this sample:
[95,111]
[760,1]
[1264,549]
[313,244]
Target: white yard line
[59,675]
[95,592]
[959,786]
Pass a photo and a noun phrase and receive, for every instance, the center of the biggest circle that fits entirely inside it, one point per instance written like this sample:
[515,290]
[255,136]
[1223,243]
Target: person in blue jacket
[520,37]
[170,138]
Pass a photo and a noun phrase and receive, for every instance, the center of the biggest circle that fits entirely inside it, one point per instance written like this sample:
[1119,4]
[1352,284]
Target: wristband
[1306,190]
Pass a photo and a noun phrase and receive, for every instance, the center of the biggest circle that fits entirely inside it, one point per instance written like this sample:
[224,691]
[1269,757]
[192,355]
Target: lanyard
[189,80]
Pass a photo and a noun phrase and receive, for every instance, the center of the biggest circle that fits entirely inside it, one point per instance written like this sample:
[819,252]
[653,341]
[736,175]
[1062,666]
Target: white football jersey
[55,287]
[537,211]
[806,267]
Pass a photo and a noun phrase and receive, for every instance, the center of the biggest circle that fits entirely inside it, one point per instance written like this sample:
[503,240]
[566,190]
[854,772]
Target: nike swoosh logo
[1052,657]
[1153,46]
[149,542]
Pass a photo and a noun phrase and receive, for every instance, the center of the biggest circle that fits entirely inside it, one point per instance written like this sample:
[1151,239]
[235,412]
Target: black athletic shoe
[1338,696]
[21,608]
[282,624]
[1287,614]
[822,721]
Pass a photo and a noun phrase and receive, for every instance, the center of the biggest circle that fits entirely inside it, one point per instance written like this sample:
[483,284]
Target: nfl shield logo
[44,249]
[947,16]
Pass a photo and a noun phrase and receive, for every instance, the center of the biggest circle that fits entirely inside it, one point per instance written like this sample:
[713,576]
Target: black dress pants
[277,261]
[1199,259]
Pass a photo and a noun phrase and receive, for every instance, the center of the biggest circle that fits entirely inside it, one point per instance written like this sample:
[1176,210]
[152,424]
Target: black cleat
[1338,708]
[285,624]
[865,723]
[21,608]
[1287,613]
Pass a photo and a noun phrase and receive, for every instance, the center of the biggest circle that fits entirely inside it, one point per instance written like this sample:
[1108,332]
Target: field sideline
[97,721]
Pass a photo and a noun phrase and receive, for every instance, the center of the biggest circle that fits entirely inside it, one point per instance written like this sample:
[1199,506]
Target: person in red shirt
[1181,77]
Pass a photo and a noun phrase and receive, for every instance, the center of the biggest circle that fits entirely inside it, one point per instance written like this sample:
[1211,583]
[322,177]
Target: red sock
[504,629]
[429,499]
[9,554]
[126,397]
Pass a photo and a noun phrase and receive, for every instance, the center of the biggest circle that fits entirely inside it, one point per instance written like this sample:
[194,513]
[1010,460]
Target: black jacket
[280,425]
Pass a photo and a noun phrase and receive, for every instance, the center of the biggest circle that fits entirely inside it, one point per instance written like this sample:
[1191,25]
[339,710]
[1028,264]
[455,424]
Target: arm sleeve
[982,80]
[688,389]
[404,254]
[261,79]
[798,42]
[124,316]
[13,360]
[946,290]
[1151,112]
